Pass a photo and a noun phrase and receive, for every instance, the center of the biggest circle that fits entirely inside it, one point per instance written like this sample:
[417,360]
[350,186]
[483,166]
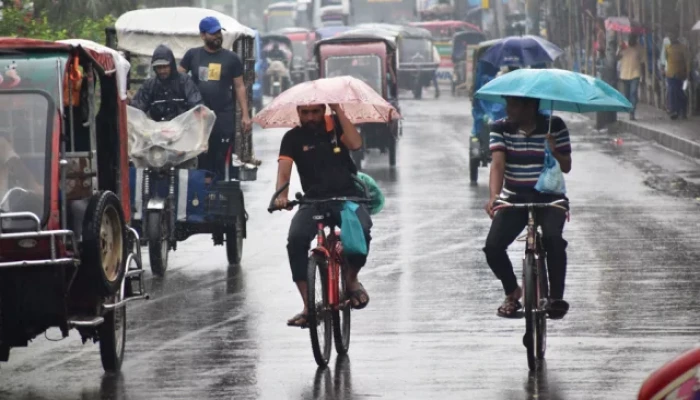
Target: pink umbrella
[360,102]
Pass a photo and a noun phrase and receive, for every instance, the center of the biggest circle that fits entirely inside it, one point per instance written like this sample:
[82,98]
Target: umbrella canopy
[558,89]
[696,27]
[522,51]
[358,100]
[623,25]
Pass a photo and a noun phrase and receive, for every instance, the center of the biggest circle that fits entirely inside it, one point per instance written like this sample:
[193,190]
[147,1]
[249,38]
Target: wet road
[430,331]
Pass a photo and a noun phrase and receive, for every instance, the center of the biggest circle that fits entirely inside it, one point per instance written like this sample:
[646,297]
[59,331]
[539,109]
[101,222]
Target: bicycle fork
[332,266]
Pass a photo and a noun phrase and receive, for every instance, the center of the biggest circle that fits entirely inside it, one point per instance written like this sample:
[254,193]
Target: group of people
[320,147]
[209,75]
[674,65]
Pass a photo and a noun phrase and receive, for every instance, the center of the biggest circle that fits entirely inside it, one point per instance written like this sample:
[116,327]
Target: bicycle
[535,281]
[330,306]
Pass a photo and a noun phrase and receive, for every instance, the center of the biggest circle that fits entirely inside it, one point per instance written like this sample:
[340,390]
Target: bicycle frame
[329,247]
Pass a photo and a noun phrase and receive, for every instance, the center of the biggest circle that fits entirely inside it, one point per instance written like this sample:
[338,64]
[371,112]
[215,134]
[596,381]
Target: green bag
[377,197]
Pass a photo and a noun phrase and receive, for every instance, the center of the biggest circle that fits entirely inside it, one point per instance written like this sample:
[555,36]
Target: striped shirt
[525,154]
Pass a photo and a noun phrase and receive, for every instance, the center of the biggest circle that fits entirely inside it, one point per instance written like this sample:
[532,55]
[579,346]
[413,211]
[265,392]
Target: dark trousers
[505,228]
[221,141]
[677,101]
[303,230]
[631,89]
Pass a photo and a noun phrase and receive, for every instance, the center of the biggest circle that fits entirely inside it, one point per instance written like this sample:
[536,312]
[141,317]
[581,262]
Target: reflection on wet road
[430,332]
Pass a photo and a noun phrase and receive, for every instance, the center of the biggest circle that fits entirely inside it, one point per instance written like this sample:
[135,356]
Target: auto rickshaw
[277,77]
[68,257]
[415,50]
[371,58]
[330,31]
[443,32]
[173,201]
[482,111]
[463,46]
[303,65]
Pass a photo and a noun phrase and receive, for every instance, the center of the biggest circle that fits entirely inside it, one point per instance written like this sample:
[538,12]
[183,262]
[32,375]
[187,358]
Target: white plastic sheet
[141,31]
[168,143]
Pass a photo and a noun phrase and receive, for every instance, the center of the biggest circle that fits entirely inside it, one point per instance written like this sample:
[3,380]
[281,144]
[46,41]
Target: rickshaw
[173,201]
[277,77]
[463,46]
[303,64]
[443,32]
[482,111]
[415,50]
[68,257]
[371,58]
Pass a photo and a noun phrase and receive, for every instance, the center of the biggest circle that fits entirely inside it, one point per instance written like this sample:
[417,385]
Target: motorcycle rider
[277,60]
[170,93]
[276,54]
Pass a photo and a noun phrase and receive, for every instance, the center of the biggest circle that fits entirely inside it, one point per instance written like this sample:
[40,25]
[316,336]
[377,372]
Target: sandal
[509,308]
[357,295]
[299,321]
[557,309]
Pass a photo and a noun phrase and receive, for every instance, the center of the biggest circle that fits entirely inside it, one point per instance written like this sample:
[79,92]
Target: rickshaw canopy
[401,30]
[107,61]
[448,27]
[276,37]
[330,31]
[350,38]
[141,31]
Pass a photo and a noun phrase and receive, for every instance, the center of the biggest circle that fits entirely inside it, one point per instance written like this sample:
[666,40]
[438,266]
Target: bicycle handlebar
[301,200]
[556,204]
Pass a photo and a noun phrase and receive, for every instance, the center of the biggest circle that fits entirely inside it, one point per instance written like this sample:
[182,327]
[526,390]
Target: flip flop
[509,309]
[299,321]
[357,295]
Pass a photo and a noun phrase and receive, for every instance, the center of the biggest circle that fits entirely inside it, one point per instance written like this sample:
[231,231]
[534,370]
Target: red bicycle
[329,306]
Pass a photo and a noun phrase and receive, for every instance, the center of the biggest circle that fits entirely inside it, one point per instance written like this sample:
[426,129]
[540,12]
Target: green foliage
[19,23]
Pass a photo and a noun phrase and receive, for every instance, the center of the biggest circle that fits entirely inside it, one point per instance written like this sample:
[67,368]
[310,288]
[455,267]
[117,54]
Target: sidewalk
[653,124]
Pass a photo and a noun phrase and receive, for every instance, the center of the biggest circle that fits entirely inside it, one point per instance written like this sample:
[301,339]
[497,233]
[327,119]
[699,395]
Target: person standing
[677,67]
[218,72]
[631,61]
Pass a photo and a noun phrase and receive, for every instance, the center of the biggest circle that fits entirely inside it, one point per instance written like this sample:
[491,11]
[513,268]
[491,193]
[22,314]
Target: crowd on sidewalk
[674,65]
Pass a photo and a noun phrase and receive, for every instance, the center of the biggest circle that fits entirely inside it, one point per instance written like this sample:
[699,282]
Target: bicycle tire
[543,289]
[318,314]
[530,288]
[341,317]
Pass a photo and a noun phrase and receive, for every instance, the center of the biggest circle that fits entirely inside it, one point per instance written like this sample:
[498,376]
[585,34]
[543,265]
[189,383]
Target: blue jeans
[676,97]
[631,91]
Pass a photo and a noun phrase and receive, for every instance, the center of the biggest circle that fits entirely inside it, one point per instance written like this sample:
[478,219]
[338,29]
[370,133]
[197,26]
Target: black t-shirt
[322,171]
[214,73]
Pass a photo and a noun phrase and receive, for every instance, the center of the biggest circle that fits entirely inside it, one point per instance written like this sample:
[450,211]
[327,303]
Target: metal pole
[234,8]
[533,17]
[500,17]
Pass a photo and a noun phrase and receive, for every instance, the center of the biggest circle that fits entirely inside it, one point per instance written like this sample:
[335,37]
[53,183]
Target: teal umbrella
[557,89]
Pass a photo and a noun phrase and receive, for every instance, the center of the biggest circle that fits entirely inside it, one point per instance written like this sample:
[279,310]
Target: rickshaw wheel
[234,241]
[157,244]
[112,335]
[104,247]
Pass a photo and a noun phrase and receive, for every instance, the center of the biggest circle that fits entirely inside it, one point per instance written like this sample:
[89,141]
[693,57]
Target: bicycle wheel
[543,289]
[319,314]
[530,340]
[341,317]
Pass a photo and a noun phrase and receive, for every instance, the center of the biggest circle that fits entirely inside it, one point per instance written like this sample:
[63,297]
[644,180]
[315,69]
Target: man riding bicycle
[320,148]
[518,148]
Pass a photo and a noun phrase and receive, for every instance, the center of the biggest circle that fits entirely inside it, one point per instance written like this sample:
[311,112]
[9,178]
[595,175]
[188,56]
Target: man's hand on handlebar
[489,207]
[281,202]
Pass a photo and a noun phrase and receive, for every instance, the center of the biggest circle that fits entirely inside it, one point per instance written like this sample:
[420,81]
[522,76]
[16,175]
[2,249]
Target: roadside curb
[665,139]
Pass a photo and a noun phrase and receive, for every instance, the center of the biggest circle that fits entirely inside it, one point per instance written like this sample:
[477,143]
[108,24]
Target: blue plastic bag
[351,234]
[551,179]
